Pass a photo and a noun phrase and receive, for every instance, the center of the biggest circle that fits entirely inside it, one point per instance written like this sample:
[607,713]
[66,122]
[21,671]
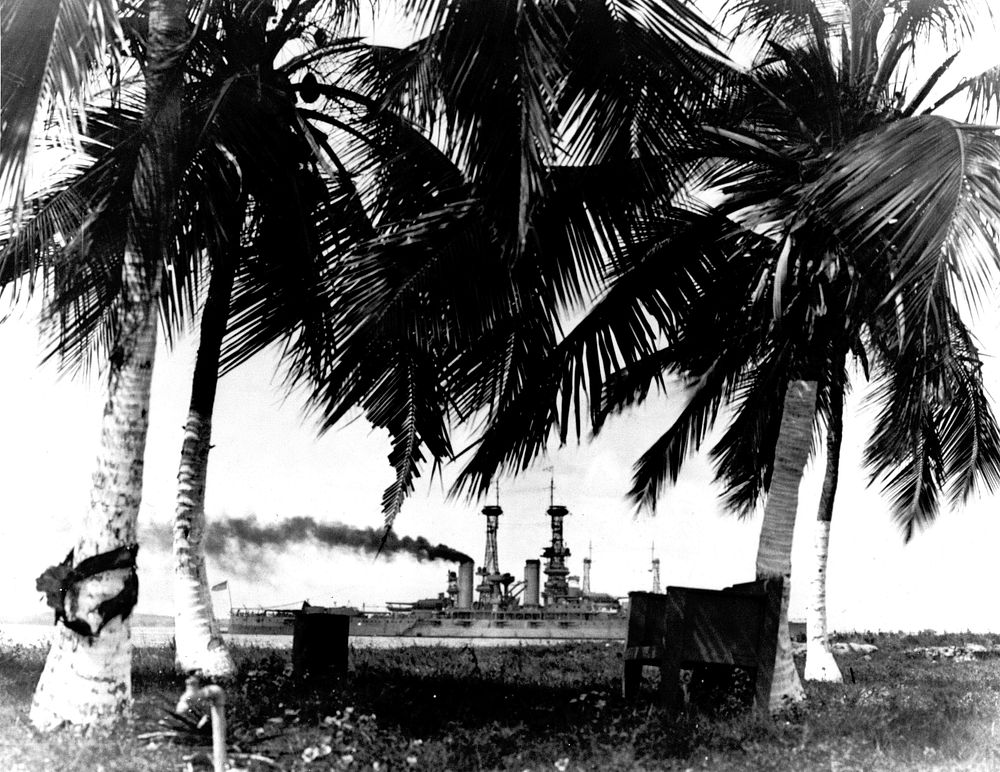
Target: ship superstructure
[655,570]
[562,608]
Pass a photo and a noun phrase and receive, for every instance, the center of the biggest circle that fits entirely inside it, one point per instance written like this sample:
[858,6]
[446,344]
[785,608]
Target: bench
[687,626]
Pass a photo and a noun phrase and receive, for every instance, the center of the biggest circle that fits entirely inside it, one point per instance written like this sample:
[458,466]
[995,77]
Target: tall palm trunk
[87,678]
[200,646]
[820,664]
[87,675]
[774,552]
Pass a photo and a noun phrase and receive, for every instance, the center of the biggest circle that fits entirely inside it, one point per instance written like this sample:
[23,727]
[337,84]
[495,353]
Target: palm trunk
[820,664]
[87,678]
[87,675]
[200,647]
[774,553]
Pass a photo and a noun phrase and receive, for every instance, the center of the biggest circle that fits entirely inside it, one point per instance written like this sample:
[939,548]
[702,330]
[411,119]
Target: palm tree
[290,223]
[272,200]
[837,195]
[87,679]
[843,88]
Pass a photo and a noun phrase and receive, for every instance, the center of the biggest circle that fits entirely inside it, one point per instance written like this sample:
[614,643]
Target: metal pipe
[532,572]
[195,693]
[465,575]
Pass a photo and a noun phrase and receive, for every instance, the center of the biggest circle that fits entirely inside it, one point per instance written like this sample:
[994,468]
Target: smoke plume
[242,533]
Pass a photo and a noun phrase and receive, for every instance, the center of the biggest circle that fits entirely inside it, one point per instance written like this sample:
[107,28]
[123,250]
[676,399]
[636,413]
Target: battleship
[563,608]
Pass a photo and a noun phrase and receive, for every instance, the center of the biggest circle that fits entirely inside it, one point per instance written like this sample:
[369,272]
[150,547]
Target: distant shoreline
[139,620]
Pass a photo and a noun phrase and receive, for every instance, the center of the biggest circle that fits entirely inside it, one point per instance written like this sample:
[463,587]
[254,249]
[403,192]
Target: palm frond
[925,89]
[631,385]
[662,461]
[744,455]
[638,75]
[878,199]
[951,19]
[74,237]
[935,428]
[49,53]
[553,391]
[496,68]
[675,257]
[776,19]
[982,93]
[912,481]
[970,437]
[406,400]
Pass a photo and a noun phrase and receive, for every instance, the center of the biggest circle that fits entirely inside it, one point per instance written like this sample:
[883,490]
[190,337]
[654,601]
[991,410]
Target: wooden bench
[687,626]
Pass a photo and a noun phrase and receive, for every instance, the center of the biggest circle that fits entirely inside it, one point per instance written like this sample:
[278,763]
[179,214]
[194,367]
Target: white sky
[267,462]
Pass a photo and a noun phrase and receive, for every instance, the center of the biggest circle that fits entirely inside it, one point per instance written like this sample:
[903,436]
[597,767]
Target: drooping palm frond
[492,88]
[404,305]
[970,435]
[565,383]
[905,449]
[49,54]
[877,198]
[661,463]
[551,392]
[86,274]
[73,233]
[744,454]
[294,237]
[736,355]
[935,426]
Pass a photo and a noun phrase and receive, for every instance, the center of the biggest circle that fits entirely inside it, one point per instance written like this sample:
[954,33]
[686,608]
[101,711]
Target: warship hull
[484,624]
[261,622]
[450,624]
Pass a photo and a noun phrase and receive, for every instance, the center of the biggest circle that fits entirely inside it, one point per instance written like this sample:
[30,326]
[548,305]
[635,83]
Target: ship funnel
[532,572]
[465,575]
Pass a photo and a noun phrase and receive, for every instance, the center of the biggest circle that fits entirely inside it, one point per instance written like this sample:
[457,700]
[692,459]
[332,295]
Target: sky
[268,462]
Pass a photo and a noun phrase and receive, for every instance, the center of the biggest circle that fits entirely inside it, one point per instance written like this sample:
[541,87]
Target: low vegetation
[532,708]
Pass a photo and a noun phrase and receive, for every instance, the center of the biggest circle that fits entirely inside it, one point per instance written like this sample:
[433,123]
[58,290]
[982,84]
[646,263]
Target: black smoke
[241,534]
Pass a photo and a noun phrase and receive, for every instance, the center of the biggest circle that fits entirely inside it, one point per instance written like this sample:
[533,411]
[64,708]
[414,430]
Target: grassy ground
[529,709]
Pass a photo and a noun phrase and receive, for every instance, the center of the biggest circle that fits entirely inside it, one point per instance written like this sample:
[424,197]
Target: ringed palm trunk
[820,664]
[87,678]
[200,647]
[87,675]
[774,552]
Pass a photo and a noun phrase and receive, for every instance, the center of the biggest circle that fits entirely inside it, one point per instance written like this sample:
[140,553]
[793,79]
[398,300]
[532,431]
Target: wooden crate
[319,645]
[688,626]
